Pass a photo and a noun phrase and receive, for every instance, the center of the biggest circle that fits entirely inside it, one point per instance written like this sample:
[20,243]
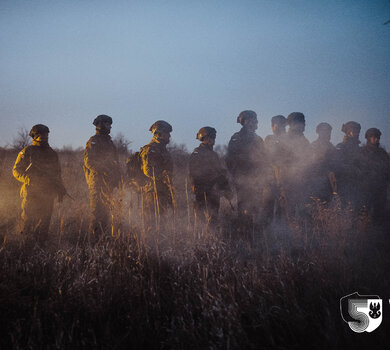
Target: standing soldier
[38,168]
[157,166]
[376,164]
[351,141]
[102,173]
[322,146]
[296,139]
[347,166]
[208,178]
[278,157]
[298,145]
[323,153]
[278,125]
[246,161]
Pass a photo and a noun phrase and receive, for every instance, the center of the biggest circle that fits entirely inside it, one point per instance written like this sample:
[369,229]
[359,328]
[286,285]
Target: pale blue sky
[192,63]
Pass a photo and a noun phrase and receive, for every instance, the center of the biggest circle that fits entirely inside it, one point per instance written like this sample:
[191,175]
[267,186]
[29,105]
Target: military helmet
[373,132]
[323,127]
[246,115]
[295,117]
[160,125]
[102,118]
[204,132]
[38,129]
[279,119]
[351,125]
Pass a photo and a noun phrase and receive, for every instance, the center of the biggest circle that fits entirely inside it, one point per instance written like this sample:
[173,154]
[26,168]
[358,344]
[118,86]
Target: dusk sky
[192,63]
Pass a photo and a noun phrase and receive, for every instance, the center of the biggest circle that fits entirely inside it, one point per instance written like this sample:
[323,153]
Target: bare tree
[122,144]
[21,140]
[221,150]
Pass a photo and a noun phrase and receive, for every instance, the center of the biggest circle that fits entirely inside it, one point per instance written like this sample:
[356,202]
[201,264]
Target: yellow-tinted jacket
[101,165]
[157,163]
[38,168]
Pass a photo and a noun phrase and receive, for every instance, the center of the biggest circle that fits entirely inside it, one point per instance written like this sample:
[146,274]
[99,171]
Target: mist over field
[185,285]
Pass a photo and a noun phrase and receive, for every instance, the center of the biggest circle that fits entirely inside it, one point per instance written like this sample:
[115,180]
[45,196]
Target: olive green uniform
[296,174]
[375,179]
[323,154]
[157,191]
[348,168]
[208,179]
[38,168]
[247,162]
[102,173]
[278,156]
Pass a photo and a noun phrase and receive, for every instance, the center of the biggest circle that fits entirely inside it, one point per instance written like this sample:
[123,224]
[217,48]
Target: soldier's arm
[115,158]
[91,157]
[113,168]
[61,190]
[20,166]
[150,163]
[195,166]
[222,180]
[219,172]
[206,169]
[233,153]
[235,147]
[201,177]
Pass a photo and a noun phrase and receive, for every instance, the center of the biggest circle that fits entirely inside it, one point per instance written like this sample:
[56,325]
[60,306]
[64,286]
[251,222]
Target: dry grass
[184,286]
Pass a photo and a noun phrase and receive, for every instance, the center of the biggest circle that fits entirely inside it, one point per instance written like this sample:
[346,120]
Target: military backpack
[134,172]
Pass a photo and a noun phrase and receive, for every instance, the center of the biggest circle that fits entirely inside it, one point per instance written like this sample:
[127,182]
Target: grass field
[185,286]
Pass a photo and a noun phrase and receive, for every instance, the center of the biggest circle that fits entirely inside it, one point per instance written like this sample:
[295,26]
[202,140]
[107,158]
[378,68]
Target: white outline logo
[363,313]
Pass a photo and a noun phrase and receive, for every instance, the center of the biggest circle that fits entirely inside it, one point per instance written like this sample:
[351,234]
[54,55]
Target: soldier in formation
[322,147]
[295,138]
[376,174]
[278,156]
[321,177]
[37,167]
[102,173]
[347,166]
[208,177]
[287,164]
[298,148]
[157,166]
[247,162]
[272,142]
[351,142]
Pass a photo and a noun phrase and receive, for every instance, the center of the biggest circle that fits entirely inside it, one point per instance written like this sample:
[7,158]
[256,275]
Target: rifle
[55,182]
